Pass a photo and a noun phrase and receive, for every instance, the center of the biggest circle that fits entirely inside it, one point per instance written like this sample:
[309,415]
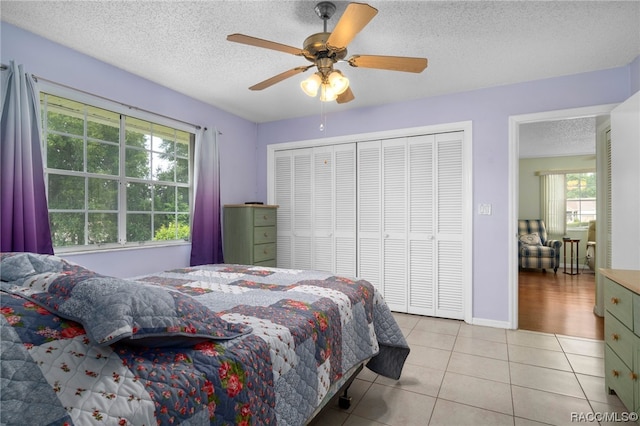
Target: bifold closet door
[293,195]
[315,189]
[450,230]
[421,235]
[344,230]
[410,229]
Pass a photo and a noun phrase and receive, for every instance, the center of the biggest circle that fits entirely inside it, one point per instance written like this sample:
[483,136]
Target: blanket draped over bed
[283,341]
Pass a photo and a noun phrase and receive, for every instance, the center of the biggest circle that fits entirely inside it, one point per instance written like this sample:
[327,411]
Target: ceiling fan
[325,49]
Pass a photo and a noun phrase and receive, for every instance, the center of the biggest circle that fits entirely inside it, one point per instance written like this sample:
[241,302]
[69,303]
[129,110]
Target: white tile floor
[458,374]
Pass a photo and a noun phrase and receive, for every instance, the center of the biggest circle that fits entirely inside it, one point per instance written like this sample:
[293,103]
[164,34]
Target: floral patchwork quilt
[212,344]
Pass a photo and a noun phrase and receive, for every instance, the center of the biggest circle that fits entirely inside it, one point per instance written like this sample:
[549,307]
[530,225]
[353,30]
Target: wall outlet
[484,209]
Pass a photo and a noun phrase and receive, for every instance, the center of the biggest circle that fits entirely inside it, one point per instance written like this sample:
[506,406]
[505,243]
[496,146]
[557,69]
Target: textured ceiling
[470,45]
[558,138]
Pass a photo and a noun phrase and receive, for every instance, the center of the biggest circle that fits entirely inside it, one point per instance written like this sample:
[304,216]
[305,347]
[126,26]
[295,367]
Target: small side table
[572,242]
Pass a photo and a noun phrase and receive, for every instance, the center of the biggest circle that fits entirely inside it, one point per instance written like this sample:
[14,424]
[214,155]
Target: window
[581,199]
[113,179]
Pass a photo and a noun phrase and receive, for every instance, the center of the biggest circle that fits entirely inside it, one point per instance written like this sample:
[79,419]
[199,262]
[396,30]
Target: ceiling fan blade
[352,21]
[346,96]
[278,78]
[258,42]
[393,63]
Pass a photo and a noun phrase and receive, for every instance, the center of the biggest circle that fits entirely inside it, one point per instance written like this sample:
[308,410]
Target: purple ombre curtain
[24,218]
[206,229]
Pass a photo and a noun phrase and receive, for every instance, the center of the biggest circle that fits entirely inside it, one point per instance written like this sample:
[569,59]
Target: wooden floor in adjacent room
[558,303]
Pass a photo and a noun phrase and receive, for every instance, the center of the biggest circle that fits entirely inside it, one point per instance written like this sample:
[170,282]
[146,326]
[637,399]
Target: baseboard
[491,323]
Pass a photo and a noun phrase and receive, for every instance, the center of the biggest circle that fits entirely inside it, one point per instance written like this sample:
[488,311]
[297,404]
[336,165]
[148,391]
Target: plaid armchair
[534,249]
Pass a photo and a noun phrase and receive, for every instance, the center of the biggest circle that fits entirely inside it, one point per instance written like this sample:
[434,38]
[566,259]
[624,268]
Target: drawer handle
[265,217]
[615,336]
[615,300]
[265,251]
[633,376]
[615,373]
[266,235]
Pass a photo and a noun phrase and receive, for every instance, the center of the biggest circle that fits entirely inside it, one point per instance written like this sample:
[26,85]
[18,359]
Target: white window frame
[579,172]
[99,102]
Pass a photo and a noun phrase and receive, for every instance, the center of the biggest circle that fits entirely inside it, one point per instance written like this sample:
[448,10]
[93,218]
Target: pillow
[531,239]
[116,310]
[14,266]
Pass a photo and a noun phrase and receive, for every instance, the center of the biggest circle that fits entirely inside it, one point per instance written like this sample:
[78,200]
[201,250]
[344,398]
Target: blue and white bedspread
[214,344]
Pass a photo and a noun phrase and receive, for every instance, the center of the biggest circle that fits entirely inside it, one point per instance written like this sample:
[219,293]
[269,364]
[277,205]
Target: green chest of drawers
[621,335]
[250,234]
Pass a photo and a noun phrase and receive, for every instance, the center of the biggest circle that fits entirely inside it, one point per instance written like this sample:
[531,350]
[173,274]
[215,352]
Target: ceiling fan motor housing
[315,48]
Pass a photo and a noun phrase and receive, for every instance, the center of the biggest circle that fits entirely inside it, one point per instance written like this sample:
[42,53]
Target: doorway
[515,123]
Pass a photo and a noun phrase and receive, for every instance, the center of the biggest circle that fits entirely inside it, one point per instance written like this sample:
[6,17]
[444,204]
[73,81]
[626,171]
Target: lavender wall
[489,110]
[59,64]
[243,173]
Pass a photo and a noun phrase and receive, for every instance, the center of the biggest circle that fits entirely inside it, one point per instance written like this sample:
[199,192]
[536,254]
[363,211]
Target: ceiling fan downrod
[325,10]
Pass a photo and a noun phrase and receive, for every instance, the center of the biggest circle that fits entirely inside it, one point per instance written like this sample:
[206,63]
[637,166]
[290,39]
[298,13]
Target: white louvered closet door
[449,225]
[410,222]
[301,248]
[283,195]
[322,210]
[344,240]
[421,238]
[369,213]
[316,191]
[394,221]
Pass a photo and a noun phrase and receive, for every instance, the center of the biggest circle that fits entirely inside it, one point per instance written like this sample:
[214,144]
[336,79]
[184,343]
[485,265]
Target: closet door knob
[633,376]
[615,300]
[615,373]
[615,336]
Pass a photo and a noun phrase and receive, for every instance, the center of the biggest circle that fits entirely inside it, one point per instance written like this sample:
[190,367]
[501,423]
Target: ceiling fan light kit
[325,49]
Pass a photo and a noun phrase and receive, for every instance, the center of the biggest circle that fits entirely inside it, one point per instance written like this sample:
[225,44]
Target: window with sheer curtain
[554,203]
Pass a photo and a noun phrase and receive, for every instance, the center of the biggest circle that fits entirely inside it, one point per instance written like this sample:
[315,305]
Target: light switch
[484,209]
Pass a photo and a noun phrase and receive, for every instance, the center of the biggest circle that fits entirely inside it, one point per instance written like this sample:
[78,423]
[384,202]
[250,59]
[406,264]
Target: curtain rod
[4,67]
[564,171]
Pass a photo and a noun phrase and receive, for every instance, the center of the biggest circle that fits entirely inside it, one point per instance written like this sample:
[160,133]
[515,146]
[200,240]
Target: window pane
[67,229]
[182,170]
[165,198]
[137,163]
[65,116]
[138,197]
[163,167]
[138,133]
[103,228]
[581,199]
[103,194]
[184,232]
[65,153]
[66,192]
[182,147]
[165,227]
[103,158]
[138,227]
[103,125]
[183,200]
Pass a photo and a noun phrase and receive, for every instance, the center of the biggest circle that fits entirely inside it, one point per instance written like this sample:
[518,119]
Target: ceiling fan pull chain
[323,117]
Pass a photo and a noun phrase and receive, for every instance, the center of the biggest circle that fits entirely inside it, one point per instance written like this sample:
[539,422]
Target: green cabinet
[622,335]
[249,234]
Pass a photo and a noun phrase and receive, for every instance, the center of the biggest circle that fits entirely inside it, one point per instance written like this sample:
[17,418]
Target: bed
[212,344]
